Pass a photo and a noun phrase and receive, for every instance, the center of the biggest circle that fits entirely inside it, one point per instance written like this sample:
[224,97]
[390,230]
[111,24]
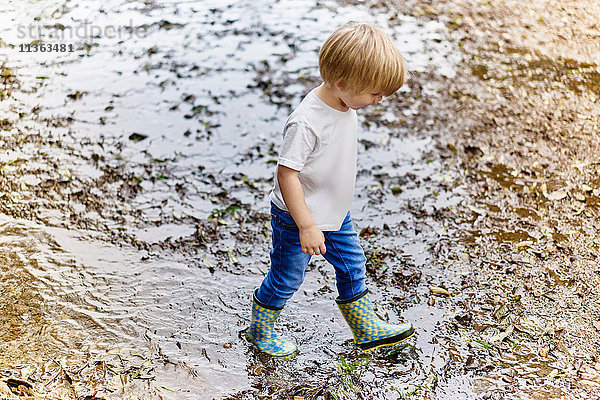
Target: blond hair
[363,59]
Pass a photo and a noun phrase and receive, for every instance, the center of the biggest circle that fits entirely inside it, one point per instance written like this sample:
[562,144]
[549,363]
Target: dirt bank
[522,127]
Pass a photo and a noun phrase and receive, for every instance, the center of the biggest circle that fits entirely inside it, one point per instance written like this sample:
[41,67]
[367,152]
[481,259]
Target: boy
[314,187]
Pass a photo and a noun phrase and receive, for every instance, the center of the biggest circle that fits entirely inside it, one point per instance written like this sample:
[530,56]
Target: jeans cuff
[350,300]
[263,305]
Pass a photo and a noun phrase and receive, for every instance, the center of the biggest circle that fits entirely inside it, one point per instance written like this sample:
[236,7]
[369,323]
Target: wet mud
[134,173]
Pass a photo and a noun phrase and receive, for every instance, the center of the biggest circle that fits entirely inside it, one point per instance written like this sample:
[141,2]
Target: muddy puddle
[135,174]
[76,301]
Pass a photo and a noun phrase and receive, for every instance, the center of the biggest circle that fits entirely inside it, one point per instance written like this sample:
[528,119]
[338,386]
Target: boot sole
[387,341]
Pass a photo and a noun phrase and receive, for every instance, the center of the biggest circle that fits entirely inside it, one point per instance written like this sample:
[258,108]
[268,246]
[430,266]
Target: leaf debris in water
[556,195]
[476,210]
[137,137]
[232,257]
[524,243]
[439,290]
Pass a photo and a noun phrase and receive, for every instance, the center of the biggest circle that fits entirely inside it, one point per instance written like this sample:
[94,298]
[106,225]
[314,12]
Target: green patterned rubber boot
[369,331]
[262,332]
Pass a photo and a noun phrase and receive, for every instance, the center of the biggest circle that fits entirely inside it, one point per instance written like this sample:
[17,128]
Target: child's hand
[312,240]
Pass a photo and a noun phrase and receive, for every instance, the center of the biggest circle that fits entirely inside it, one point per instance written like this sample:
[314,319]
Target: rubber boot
[262,332]
[369,331]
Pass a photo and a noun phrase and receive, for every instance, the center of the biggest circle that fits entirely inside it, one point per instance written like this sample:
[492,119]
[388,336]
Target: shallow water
[200,90]
[89,298]
[73,296]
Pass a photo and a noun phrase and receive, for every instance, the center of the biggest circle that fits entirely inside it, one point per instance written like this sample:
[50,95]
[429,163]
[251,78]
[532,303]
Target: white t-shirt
[321,143]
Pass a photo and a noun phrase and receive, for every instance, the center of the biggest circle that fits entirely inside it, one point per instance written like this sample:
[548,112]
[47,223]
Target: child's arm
[311,237]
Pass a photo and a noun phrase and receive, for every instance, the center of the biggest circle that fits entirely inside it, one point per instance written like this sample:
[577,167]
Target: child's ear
[340,85]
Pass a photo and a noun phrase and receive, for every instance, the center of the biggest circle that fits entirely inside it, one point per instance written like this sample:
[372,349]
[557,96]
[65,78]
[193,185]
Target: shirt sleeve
[299,142]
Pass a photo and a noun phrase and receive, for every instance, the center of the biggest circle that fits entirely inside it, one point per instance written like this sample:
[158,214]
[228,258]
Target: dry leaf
[585,382]
[439,290]
[524,243]
[556,195]
[501,312]
[553,374]
[5,390]
[509,357]
[578,196]
[591,376]
[503,335]
[476,210]
[256,370]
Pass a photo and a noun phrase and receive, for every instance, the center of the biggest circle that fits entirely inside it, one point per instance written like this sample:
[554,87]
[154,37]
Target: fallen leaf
[480,343]
[580,165]
[23,388]
[256,370]
[500,312]
[452,148]
[553,374]
[476,210]
[578,196]
[556,195]
[502,335]
[509,357]
[588,383]
[464,319]
[137,137]
[591,376]
[439,290]
[232,256]
[524,243]
[544,352]
[368,231]
[7,72]
[5,390]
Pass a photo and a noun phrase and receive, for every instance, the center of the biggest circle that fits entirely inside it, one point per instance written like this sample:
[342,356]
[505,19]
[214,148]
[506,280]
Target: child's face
[356,101]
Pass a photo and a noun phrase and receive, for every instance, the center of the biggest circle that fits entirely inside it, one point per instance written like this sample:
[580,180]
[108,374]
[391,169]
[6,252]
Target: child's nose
[378,98]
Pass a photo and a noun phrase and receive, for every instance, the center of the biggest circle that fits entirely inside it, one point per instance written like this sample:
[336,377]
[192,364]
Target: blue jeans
[288,262]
